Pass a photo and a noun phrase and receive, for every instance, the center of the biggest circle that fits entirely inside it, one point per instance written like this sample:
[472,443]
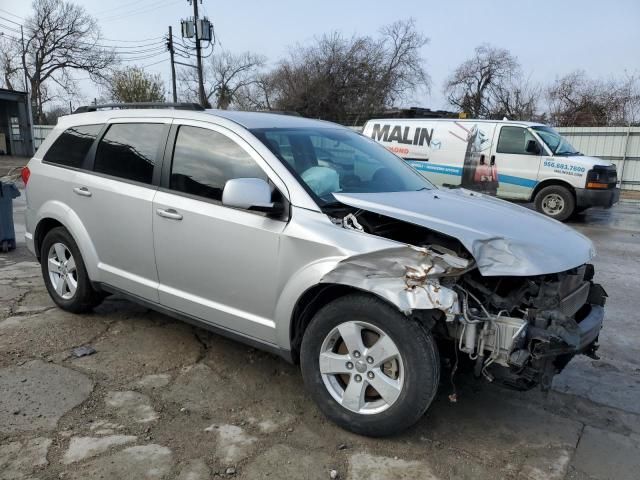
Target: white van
[520,161]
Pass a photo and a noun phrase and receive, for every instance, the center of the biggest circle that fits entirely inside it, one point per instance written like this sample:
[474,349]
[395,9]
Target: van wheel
[64,273]
[555,201]
[369,368]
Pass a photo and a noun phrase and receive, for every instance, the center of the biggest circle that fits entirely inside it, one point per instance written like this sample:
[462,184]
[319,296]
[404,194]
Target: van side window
[129,150]
[203,161]
[72,146]
[514,140]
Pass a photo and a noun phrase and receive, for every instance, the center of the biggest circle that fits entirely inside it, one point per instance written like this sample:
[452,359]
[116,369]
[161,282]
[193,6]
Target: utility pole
[203,100]
[173,66]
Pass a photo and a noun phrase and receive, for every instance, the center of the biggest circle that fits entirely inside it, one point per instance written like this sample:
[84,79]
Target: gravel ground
[161,399]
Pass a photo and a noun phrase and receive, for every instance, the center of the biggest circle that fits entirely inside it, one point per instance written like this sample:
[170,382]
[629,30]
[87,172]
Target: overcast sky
[549,37]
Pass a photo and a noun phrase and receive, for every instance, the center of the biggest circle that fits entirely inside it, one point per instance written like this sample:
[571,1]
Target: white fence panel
[621,145]
[40,132]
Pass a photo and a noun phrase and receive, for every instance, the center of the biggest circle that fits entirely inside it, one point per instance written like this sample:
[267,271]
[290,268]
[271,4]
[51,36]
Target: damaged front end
[519,330]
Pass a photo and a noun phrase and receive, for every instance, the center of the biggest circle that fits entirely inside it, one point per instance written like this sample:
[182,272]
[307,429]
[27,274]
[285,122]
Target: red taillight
[25,174]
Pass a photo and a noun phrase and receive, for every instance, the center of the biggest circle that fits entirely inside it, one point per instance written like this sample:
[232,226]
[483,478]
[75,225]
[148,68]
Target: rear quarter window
[72,146]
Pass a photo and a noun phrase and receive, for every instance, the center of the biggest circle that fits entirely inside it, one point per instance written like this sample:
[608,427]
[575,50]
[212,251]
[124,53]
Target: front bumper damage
[521,334]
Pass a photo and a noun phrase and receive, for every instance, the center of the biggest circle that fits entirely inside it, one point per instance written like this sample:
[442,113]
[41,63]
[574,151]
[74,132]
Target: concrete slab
[233,445]
[375,467]
[19,459]
[601,382]
[145,462]
[131,406]
[81,448]
[606,455]
[516,436]
[35,395]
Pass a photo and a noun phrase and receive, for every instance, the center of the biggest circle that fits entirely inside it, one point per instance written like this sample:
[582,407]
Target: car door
[215,263]
[516,161]
[114,202]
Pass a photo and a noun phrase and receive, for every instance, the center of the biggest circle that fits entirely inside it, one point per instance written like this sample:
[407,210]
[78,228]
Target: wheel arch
[552,181]
[55,214]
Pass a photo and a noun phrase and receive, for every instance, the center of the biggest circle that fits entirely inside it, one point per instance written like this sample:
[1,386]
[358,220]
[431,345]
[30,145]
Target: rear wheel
[555,201]
[369,368]
[64,273]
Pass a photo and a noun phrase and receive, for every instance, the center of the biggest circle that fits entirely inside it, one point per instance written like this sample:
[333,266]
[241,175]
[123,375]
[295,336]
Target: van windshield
[556,142]
[327,161]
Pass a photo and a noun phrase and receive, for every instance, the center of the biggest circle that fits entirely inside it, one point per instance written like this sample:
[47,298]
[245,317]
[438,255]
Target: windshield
[556,142]
[328,161]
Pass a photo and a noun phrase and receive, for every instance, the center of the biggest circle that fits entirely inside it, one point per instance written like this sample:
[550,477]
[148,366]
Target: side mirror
[249,194]
[533,147]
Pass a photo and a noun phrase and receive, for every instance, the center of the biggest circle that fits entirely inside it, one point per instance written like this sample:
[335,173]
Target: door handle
[169,213]
[82,191]
[493,159]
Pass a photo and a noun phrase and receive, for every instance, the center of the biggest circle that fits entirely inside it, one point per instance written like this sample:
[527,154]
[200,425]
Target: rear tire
[64,273]
[396,355]
[555,201]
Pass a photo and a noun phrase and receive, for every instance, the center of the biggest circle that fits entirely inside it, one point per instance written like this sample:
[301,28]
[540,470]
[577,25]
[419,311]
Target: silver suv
[309,240]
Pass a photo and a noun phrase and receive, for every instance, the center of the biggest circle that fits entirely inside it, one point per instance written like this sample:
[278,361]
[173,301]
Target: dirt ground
[161,399]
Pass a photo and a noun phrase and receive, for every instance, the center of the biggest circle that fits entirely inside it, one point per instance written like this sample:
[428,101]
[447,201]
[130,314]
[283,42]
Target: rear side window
[130,150]
[203,161]
[72,145]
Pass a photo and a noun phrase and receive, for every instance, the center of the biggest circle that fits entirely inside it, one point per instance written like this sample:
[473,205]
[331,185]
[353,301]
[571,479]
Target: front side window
[514,140]
[70,148]
[556,142]
[203,161]
[130,150]
[328,161]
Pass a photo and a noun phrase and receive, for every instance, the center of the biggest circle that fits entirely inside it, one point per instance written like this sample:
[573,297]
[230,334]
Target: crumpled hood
[505,239]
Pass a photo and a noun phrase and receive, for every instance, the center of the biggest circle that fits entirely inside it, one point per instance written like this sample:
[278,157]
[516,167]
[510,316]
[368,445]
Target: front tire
[64,273]
[369,368]
[555,201]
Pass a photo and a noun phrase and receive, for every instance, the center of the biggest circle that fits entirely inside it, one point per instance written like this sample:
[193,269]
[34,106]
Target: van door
[516,157]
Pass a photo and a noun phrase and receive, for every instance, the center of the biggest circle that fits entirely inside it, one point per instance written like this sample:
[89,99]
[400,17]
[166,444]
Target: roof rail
[115,106]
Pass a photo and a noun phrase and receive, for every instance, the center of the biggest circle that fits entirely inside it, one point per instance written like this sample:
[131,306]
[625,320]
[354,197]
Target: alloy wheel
[361,367]
[62,271]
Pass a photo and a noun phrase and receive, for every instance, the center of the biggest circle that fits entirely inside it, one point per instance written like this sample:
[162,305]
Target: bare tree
[228,77]
[576,100]
[344,79]
[133,84]
[473,85]
[517,100]
[10,66]
[61,37]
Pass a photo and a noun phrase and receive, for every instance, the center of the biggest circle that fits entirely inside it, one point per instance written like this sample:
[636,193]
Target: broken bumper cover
[589,328]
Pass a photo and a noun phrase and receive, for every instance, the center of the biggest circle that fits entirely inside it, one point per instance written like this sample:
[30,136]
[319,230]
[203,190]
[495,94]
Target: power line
[12,14]
[138,11]
[9,28]
[9,20]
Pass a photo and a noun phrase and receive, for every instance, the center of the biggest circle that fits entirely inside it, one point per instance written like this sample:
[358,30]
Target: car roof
[248,120]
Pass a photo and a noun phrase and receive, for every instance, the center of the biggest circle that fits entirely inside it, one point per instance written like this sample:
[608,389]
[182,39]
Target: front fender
[307,277]
[62,213]
[406,276]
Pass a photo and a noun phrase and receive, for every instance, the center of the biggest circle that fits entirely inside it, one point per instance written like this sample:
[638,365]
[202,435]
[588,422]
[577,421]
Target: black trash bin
[8,191]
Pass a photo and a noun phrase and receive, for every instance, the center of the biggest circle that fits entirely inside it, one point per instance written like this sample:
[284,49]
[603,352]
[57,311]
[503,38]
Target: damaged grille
[572,303]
